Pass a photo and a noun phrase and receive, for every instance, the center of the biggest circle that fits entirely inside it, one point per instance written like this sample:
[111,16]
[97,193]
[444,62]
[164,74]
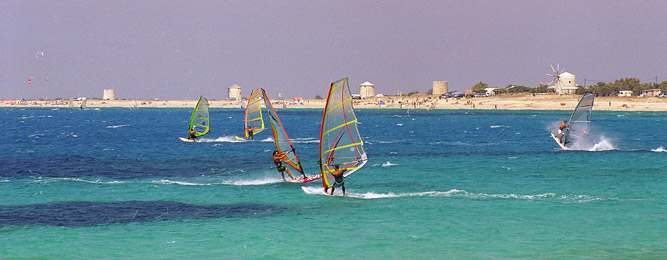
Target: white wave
[305,140]
[461,194]
[603,144]
[98,181]
[222,139]
[499,126]
[269,139]
[4,180]
[399,124]
[116,126]
[252,182]
[393,153]
[184,183]
[388,164]
[659,149]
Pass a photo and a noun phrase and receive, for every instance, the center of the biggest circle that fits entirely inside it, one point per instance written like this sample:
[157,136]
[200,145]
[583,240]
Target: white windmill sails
[563,82]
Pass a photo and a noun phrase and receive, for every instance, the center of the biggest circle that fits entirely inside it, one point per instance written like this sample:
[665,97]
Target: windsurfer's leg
[343,186]
[290,174]
[282,173]
[332,189]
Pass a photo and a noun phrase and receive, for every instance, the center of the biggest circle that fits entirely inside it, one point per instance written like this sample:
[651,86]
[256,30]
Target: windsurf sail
[199,121]
[283,143]
[83,104]
[340,141]
[253,114]
[71,103]
[580,121]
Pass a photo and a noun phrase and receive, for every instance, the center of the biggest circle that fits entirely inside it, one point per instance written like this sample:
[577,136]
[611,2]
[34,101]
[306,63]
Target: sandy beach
[510,102]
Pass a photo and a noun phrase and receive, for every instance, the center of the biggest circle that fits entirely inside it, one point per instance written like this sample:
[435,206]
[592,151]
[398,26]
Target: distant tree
[517,89]
[430,92]
[626,83]
[480,87]
[499,91]
[318,97]
[581,90]
[413,93]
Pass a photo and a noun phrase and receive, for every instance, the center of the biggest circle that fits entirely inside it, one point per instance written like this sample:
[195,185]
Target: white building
[366,90]
[439,88]
[234,92]
[565,84]
[109,94]
[490,91]
[625,93]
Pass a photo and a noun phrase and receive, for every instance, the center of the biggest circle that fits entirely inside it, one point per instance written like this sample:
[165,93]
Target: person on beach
[192,134]
[338,177]
[250,131]
[560,131]
[277,159]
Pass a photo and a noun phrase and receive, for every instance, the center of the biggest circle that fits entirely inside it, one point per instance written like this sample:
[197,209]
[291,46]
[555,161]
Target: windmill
[563,82]
[555,74]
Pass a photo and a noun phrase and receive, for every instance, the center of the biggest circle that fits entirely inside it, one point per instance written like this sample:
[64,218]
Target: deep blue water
[440,184]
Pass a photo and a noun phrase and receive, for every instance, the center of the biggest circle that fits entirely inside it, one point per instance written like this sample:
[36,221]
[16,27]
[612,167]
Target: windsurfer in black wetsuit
[192,134]
[560,131]
[277,159]
[338,177]
[250,131]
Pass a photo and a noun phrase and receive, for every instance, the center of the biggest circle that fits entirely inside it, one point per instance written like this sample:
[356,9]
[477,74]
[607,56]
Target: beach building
[490,91]
[234,92]
[565,84]
[651,92]
[625,93]
[109,94]
[439,88]
[367,90]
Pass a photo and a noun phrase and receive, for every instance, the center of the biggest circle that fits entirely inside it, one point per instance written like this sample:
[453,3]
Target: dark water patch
[74,166]
[86,213]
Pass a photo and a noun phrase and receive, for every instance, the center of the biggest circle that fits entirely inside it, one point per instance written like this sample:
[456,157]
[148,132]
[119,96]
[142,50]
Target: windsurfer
[192,134]
[560,131]
[250,131]
[277,159]
[338,177]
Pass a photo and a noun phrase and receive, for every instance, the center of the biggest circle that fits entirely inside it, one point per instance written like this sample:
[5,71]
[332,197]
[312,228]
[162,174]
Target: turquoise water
[460,184]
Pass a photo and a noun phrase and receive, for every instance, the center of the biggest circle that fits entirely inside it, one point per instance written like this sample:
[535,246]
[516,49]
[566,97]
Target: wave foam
[222,139]
[184,183]
[98,181]
[263,181]
[461,194]
[116,126]
[388,164]
[659,149]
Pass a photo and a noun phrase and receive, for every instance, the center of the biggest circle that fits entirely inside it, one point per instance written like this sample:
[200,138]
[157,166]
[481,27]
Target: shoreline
[426,102]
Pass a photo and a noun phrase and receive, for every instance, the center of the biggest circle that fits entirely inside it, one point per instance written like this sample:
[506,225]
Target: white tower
[234,92]
[367,90]
[439,88]
[109,94]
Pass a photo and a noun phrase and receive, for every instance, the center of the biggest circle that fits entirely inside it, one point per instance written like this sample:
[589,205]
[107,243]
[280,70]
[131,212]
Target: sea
[440,184]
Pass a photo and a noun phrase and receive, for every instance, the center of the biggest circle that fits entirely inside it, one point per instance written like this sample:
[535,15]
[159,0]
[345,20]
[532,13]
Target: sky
[184,49]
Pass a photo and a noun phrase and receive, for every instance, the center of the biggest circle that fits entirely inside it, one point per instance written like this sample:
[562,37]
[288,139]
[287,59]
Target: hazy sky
[183,49]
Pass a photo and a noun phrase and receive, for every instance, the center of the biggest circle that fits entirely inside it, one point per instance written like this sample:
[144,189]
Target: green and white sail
[580,121]
[340,141]
[199,122]
[253,114]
